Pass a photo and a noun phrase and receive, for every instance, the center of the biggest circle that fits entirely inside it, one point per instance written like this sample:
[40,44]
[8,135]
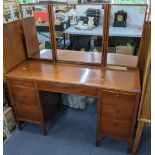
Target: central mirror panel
[36,31]
[79,33]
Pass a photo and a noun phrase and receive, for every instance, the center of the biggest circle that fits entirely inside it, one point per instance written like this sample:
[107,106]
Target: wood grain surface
[99,77]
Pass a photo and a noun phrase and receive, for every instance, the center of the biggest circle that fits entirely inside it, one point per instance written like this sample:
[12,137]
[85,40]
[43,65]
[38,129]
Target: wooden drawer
[24,95]
[28,112]
[115,128]
[20,82]
[66,88]
[117,112]
[113,98]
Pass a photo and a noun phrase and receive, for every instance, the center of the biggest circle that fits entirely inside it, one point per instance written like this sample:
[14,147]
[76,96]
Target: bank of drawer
[113,98]
[28,112]
[117,112]
[115,128]
[66,88]
[24,95]
[20,82]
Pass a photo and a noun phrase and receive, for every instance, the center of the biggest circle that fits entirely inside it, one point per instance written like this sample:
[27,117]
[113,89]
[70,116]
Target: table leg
[137,138]
[44,129]
[98,141]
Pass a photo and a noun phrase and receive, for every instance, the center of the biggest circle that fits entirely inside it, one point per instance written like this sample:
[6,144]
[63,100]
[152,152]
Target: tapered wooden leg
[129,147]
[44,129]
[18,125]
[58,106]
[137,138]
[59,102]
[97,141]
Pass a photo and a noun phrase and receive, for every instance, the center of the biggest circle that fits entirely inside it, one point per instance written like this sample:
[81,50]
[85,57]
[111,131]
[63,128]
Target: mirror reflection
[79,31]
[125,32]
[38,40]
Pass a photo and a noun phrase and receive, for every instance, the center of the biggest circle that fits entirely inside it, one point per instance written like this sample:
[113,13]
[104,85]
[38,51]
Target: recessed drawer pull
[24,96]
[50,85]
[118,96]
[115,125]
[20,82]
[26,108]
[116,111]
[82,90]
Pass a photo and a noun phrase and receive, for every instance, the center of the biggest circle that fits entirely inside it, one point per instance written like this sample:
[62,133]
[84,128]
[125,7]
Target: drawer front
[118,112]
[115,128]
[66,88]
[28,112]
[19,82]
[24,95]
[113,98]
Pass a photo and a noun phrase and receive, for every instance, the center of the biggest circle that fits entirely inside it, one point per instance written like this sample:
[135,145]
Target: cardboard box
[128,50]
[8,120]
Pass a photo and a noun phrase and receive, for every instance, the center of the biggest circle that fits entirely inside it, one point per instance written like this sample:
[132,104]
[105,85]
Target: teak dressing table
[117,91]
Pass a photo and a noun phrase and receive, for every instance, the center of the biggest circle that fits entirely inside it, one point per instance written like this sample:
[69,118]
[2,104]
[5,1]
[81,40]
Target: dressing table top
[99,77]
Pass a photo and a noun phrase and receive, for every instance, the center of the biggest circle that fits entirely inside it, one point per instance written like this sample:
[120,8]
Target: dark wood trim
[107,33]
[52,32]
[104,35]
[41,109]
[135,113]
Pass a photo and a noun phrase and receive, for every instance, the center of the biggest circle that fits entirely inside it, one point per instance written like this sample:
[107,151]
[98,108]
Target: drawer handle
[115,125]
[24,96]
[82,90]
[118,96]
[50,85]
[116,111]
[20,82]
[26,108]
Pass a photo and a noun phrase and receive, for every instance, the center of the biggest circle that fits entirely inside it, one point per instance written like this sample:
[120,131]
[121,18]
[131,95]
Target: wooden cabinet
[19,82]
[28,113]
[114,128]
[26,102]
[116,114]
[24,95]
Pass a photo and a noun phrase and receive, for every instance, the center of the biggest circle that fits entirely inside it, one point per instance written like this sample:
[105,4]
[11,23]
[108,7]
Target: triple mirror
[101,34]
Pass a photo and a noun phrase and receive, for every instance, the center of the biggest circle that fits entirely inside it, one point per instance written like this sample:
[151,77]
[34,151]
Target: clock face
[120,18]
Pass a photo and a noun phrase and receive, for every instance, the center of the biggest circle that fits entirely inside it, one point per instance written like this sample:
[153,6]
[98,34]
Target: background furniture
[10,5]
[144,114]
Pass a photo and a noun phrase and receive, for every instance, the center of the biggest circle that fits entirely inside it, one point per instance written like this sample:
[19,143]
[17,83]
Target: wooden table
[117,93]
[97,31]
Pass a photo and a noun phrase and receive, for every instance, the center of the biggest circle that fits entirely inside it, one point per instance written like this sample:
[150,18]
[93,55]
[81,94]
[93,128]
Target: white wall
[68,1]
[135,14]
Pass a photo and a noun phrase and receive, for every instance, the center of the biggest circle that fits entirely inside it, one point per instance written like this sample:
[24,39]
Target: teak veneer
[117,93]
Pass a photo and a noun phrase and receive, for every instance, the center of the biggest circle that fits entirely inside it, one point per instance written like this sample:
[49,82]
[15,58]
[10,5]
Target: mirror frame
[105,35]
